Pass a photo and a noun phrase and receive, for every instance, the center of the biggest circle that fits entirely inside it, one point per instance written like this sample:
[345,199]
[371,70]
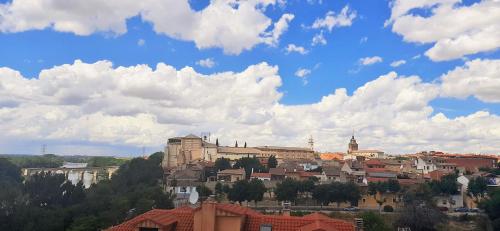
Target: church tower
[353,146]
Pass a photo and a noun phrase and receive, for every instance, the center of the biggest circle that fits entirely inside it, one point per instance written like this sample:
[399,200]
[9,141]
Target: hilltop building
[181,151]
[353,152]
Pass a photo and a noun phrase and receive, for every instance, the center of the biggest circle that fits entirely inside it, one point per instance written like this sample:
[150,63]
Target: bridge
[86,175]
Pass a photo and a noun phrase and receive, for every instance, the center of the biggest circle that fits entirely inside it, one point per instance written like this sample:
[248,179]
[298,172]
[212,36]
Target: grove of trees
[49,202]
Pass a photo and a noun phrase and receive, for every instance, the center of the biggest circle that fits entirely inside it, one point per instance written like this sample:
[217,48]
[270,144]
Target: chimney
[205,218]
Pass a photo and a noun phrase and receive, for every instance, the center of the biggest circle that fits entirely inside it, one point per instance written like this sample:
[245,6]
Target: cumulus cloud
[294,48]
[478,78]
[232,25]
[141,42]
[366,61]
[398,63]
[331,20]
[97,103]
[208,62]
[318,39]
[303,73]
[455,30]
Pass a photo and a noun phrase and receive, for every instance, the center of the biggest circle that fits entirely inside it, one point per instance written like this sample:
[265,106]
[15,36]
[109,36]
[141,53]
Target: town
[285,180]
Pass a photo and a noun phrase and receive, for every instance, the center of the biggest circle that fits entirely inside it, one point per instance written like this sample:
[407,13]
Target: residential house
[261,176]
[277,174]
[231,175]
[331,173]
[213,216]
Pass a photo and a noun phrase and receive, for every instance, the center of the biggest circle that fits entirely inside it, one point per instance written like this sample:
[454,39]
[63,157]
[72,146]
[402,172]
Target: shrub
[388,208]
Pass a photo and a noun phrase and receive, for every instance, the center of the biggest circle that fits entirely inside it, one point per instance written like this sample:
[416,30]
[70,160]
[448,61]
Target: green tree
[420,218]
[219,189]
[9,171]
[477,187]
[250,164]
[272,162]
[492,207]
[287,190]
[447,185]
[374,222]
[351,192]
[256,190]
[222,164]
[239,191]
[322,194]
[203,191]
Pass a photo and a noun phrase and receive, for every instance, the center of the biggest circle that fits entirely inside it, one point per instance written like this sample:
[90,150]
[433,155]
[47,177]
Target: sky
[116,77]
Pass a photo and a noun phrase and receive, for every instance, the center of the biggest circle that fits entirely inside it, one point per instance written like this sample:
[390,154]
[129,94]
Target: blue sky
[331,66]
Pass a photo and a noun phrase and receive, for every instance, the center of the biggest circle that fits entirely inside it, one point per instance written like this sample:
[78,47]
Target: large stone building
[286,153]
[182,150]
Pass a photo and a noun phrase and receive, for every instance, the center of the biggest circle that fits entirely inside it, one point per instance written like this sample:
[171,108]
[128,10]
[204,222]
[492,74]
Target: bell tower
[353,146]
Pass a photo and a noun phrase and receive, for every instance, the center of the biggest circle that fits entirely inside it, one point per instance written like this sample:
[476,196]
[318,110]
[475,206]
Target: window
[266,227]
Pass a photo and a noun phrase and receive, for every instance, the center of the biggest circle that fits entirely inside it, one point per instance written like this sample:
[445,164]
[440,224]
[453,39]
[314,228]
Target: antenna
[193,197]
[44,149]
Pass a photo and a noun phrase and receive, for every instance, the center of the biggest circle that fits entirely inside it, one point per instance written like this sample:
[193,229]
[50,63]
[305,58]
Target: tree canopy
[272,162]
[222,164]
[249,164]
[49,202]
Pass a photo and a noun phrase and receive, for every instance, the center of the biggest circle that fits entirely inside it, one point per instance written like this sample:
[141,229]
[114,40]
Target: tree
[322,194]
[256,190]
[447,185]
[203,191]
[374,222]
[236,144]
[239,191]
[9,171]
[477,187]
[217,142]
[222,164]
[352,193]
[245,145]
[420,218]
[272,162]
[219,188]
[249,164]
[287,190]
[492,207]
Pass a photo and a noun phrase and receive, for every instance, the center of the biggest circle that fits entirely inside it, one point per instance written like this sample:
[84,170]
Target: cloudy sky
[108,77]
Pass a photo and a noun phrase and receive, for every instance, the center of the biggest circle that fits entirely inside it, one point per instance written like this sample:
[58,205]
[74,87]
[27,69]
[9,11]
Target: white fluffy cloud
[231,25]
[478,78]
[294,48]
[366,61]
[331,20]
[208,62]
[455,30]
[318,39]
[137,105]
[398,63]
[303,73]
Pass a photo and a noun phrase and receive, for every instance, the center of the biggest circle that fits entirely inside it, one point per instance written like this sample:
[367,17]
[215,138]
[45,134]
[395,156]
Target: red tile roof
[184,218]
[261,174]
[378,170]
[374,162]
